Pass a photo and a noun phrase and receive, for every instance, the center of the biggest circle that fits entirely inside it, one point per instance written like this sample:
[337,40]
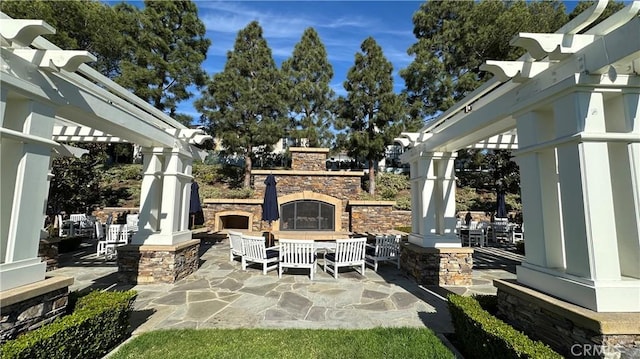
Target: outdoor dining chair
[349,253]
[235,245]
[297,253]
[385,249]
[256,251]
[116,235]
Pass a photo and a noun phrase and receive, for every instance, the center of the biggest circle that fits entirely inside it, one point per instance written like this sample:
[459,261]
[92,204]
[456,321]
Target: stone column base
[31,306]
[571,330]
[150,264]
[437,266]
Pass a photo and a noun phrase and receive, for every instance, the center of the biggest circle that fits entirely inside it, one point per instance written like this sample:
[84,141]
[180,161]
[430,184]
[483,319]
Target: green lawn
[286,343]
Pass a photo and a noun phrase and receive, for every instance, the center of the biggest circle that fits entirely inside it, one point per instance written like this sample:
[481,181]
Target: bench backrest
[350,250]
[387,246]
[254,247]
[297,251]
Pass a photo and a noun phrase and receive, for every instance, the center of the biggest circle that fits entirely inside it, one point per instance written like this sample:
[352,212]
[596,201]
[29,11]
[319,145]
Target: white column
[23,191]
[544,245]
[586,191]
[164,202]
[624,115]
[597,181]
[435,178]
[150,194]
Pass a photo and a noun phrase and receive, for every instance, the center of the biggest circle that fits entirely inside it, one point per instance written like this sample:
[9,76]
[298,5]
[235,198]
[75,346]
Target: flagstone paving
[221,295]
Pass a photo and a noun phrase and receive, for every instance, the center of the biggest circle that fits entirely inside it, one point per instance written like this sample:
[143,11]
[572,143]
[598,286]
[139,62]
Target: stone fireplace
[311,199]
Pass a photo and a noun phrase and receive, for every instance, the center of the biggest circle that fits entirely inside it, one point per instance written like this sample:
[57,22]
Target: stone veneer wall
[308,159]
[572,331]
[376,216]
[48,251]
[342,185]
[29,307]
[437,266]
[147,264]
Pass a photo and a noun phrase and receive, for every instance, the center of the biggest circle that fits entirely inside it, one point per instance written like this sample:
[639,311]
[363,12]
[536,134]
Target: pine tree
[166,46]
[244,104]
[310,98]
[371,110]
[455,37]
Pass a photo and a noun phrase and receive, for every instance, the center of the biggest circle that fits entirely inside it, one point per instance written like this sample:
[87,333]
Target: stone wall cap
[25,292]
[603,323]
[232,201]
[308,173]
[371,203]
[158,247]
[309,149]
[417,248]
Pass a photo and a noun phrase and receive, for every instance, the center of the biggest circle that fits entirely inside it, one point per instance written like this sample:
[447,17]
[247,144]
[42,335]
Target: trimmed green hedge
[486,336]
[98,323]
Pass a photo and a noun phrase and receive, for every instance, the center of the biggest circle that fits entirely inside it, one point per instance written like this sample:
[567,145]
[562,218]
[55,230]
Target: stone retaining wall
[437,266]
[148,264]
[29,307]
[572,331]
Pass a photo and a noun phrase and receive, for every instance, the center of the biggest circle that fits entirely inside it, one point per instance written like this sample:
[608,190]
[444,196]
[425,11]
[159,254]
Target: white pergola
[573,101]
[48,95]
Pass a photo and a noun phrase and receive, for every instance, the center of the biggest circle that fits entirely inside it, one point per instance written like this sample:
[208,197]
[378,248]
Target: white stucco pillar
[597,183]
[25,153]
[164,200]
[539,191]
[433,188]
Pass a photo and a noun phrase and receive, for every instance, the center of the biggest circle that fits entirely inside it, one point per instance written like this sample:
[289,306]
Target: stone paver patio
[221,295]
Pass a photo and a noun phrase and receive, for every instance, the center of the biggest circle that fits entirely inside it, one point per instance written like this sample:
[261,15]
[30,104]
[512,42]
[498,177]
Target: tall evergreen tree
[244,104]
[309,97]
[371,110]
[166,46]
[455,37]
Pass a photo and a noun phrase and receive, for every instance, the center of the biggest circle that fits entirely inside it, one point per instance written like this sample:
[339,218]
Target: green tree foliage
[75,186]
[310,98]
[165,47]
[611,8]
[244,104]
[372,111]
[455,37]
[80,25]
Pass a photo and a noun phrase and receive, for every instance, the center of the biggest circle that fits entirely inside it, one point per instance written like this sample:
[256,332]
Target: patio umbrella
[501,210]
[195,209]
[270,210]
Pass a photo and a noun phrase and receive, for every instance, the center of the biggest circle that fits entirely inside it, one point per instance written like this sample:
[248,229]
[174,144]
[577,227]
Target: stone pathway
[221,295]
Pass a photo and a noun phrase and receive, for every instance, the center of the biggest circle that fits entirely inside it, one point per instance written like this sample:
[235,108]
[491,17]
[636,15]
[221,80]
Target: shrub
[388,185]
[403,203]
[98,323]
[486,336]
[240,193]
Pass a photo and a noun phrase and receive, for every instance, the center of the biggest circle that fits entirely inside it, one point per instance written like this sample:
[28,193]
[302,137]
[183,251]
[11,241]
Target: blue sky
[341,25]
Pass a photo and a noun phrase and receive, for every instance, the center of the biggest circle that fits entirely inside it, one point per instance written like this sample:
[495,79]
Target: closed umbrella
[270,210]
[195,208]
[501,210]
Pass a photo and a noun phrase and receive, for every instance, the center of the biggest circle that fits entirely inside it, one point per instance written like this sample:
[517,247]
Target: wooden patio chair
[349,253]
[385,249]
[235,245]
[256,251]
[297,253]
[116,235]
[65,228]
